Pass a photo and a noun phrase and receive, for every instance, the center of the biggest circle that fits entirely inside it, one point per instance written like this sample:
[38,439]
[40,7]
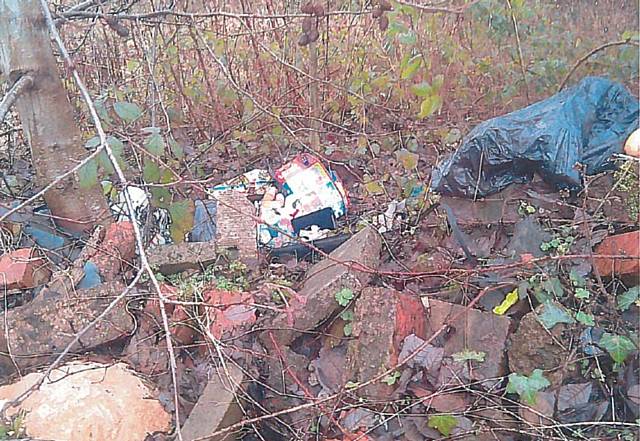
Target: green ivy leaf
[181,219]
[552,314]
[127,111]
[527,387]
[618,346]
[88,174]
[344,296]
[582,293]
[585,319]
[391,378]
[628,298]
[443,423]
[429,105]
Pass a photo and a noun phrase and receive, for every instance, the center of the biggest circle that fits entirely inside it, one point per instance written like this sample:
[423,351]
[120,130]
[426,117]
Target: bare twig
[592,53]
[22,84]
[520,56]
[432,9]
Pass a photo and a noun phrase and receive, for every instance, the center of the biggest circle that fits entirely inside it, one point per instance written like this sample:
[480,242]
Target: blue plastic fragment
[204,221]
[44,238]
[91,277]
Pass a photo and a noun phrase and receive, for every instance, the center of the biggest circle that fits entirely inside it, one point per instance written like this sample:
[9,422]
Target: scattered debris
[383,319]
[626,244]
[179,257]
[475,331]
[533,346]
[42,328]
[236,224]
[229,311]
[23,268]
[346,267]
[83,401]
[217,407]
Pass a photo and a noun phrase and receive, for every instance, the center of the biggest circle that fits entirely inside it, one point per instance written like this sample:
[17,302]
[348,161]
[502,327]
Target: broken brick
[23,268]
[41,329]
[229,311]
[175,258]
[117,250]
[236,224]
[218,407]
[383,319]
[87,401]
[316,300]
[474,330]
[627,244]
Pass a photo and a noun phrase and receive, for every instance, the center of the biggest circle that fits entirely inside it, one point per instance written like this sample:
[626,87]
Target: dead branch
[23,84]
[592,53]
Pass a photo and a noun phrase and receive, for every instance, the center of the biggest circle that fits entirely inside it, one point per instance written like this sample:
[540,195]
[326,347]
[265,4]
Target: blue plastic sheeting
[204,221]
[584,125]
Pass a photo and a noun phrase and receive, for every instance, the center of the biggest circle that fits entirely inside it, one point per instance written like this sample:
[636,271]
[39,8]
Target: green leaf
[176,149]
[88,174]
[628,298]
[429,105]
[467,355]
[577,279]
[408,160]
[181,219]
[552,314]
[160,197]
[585,319]
[438,81]
[443,423]
[155,144]
[554,287]
[344,296]
[347,315]
[374,187]
[151,172]
[421,89]
[411,68]
[391,378]
[527,387]
[618,346]
[348,329]
[127,111]
[93,143]
[408,38]
[582,293]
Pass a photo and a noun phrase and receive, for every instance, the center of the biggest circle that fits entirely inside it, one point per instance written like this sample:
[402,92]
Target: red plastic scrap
[23,268]
[229,311]
[627,244]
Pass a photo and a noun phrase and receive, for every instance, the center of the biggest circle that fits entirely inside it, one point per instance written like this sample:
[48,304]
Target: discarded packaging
[309,195]
[584,125]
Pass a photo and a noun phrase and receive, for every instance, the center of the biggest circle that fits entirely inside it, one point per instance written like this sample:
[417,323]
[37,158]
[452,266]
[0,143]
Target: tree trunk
[47,116]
